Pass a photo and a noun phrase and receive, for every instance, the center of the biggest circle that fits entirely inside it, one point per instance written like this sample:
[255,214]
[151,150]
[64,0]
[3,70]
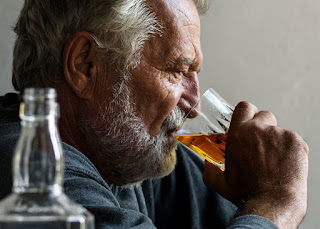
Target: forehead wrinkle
[189,20]
[185,15]
[180,40]
[170,11]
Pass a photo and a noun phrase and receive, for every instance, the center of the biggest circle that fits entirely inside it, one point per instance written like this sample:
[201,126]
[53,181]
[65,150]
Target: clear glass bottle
[37,199]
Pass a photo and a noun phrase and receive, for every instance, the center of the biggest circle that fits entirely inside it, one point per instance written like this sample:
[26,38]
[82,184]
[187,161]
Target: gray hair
[119,27]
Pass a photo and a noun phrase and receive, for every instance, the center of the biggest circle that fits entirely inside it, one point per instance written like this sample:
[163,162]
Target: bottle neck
[38,160]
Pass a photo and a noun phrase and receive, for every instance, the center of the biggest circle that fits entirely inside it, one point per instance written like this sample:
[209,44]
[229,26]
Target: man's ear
[79,64]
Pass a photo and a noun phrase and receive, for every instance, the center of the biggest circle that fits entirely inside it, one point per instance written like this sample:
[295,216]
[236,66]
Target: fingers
[246,111]
[215,180]
[243,112]
[297,141]
[265,117]
[304,146]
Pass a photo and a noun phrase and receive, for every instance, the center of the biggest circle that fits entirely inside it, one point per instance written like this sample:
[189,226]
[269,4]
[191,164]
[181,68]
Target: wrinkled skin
[167,75]
[165,78]
[266,168]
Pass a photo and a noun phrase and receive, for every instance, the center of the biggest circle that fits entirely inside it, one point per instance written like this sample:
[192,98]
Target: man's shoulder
[9,136]
[76,163]
[9,108]
[74,159]
[9,133]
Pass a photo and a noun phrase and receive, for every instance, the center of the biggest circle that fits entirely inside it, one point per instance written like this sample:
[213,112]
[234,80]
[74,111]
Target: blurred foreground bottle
[37,199]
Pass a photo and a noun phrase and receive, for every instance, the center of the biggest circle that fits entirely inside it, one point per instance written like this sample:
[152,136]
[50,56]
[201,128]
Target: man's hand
[266,168]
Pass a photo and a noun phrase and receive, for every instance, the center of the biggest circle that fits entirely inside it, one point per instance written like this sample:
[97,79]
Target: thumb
[215,179]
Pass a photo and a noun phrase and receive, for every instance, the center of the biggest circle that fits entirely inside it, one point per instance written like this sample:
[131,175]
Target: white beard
[125,152]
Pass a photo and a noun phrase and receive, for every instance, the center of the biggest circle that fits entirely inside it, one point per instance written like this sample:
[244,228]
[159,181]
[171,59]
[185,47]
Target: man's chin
[169,162]
[164,168]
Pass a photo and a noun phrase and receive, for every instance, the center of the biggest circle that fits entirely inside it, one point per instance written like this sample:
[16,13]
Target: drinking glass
[206,134]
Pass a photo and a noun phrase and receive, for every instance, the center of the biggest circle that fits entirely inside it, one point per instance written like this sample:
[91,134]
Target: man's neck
[70,115]
[73,110]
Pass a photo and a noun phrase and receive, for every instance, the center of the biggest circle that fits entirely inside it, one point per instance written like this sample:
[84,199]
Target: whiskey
[211,147]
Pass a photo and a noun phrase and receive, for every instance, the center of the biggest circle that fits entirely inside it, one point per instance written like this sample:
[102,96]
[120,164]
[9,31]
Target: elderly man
[126,73]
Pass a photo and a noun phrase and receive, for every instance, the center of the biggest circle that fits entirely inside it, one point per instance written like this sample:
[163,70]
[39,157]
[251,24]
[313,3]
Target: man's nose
[190,95]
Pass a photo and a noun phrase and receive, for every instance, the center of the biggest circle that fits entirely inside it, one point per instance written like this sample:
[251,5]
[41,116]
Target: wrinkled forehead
[174,14]
[180,34]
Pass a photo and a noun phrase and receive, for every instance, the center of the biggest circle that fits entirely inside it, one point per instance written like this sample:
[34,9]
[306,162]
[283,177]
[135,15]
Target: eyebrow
[182,61]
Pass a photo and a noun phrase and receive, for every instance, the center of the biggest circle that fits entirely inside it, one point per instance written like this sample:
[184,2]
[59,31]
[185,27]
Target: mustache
[174,120]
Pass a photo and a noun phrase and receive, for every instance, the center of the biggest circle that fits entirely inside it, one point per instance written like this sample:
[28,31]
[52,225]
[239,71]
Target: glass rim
[209,90]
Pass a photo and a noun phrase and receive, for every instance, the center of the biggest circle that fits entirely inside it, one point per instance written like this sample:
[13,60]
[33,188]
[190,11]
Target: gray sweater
[179,200]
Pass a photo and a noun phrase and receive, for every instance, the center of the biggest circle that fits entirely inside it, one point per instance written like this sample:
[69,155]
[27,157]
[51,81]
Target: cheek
[155,95]
[159,111]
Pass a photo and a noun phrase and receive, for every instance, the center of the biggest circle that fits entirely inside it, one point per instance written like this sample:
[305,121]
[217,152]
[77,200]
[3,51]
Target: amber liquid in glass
[211,147]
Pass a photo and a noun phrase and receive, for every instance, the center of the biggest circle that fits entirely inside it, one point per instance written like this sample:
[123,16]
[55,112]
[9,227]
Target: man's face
[135,129]
[167,75]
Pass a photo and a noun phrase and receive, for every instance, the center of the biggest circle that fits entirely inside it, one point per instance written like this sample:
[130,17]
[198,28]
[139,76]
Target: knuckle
[268,113]
[267,117]
[274,131]
[245,105]
[296,141]
[257,127]
[293,136]
[305,147]
[273,136]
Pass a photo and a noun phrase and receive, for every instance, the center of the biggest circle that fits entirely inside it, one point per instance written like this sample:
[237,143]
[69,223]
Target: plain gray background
[266,52]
